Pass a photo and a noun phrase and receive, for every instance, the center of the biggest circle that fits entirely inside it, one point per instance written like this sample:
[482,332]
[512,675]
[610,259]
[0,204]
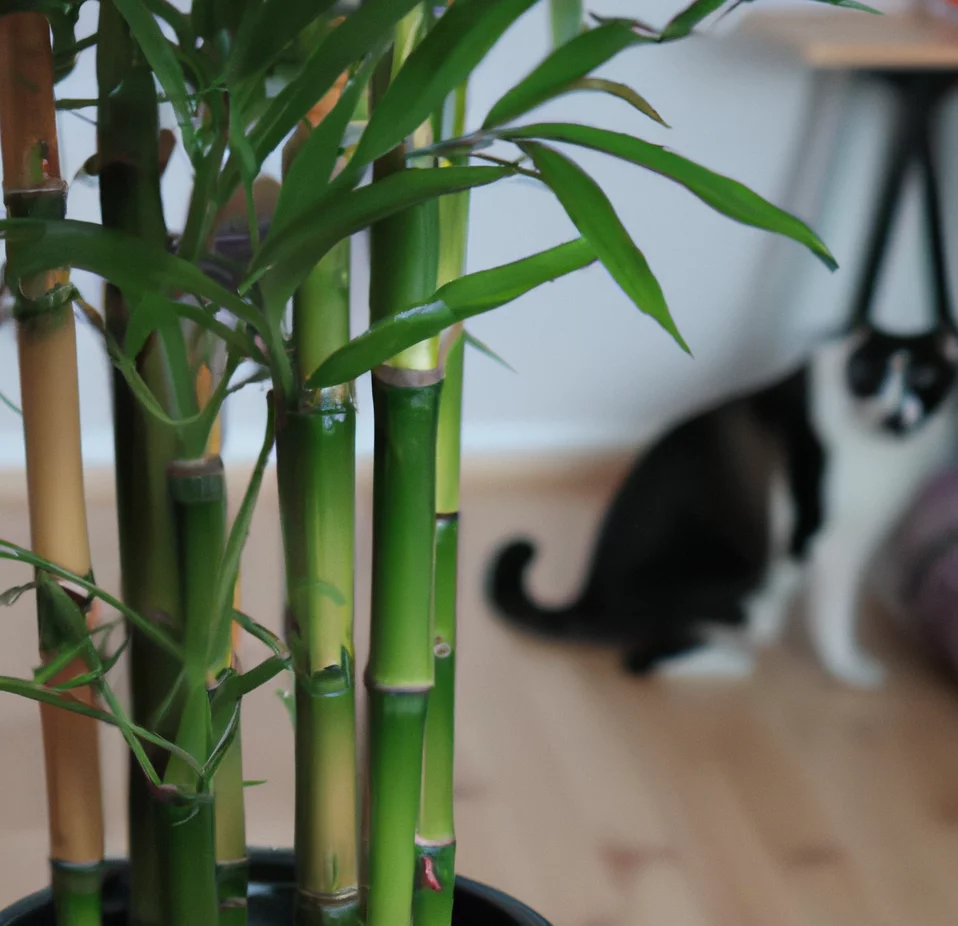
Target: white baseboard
[482,441]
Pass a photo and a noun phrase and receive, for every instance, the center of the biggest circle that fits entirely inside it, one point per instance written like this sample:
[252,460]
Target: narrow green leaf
[566,16]
[359,35]
[731,198]
[459,299]
[12,595]
[440,63]
[487,351]
[680,25]
[163,61]
[229,566]
[566,65]
[622,91]
[15,553]
[266,30]
[149,310]
[36,692]
[594,216]
[307,181]
[125,260]
[182,393]
[58,663]
[286,258]
[261,633]
[4,400]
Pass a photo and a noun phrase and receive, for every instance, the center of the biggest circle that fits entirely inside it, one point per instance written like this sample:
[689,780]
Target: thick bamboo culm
[129,182]
[316,459]
[51,415]
[404,251]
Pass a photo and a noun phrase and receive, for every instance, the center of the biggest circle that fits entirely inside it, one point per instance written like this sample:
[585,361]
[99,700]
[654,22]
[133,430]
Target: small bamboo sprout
[316,459]
[51,414]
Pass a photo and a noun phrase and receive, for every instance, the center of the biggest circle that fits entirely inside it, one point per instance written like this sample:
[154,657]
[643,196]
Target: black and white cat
[724,520]
[793,487]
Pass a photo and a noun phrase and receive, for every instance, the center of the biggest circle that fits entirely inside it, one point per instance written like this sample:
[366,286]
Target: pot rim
[274,866]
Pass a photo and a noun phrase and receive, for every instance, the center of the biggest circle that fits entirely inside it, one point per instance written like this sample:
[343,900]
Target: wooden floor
[600,800]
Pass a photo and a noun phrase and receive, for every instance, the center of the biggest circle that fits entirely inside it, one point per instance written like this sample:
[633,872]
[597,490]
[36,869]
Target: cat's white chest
[871,474]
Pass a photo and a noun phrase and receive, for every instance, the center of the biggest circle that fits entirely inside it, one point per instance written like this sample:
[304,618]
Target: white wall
[591,370]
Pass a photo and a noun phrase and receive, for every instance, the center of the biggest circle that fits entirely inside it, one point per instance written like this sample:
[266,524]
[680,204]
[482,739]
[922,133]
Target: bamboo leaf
[152,308]
[125,260]
[261,633]
[731,198]
[622,91]
[487,351]
[36,692]
[566,16]
[162,59]
[566,65]
[229,566]
[307,181]
[54,666]
[225,705]
[66,612]
[266,30]
[15,553]
[359,35]
[12,595]
[594,216]
[286,258]
[10,404]
[104,667]
[680,25]
[684,22]
[441,62]
[459,299]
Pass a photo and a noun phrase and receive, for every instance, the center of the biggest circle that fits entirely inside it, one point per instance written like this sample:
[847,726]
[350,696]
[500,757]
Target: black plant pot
[271,899]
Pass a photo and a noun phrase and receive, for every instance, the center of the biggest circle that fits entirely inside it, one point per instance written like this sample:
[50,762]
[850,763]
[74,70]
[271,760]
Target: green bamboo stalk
[316,467]
[400,672]
[46,345]
[232,862]
[436,833]
[197,489]
[404,255]
[316,471]
[129,181]
[76,895]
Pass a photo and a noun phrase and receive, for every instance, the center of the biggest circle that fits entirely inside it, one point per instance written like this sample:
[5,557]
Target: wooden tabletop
[850,40]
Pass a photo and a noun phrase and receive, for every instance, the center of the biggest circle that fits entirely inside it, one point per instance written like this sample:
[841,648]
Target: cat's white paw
[717,660]
[858,670]
[766,622]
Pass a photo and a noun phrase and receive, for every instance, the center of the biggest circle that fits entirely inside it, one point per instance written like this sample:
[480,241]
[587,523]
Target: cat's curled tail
[507,591]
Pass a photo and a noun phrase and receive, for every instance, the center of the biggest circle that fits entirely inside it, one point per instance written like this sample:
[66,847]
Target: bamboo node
[346,895]
[48,301]
[407,379]
[196,481]
[47,200]
[387,689]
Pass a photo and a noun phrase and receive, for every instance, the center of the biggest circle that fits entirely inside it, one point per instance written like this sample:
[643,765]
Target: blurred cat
[719,523]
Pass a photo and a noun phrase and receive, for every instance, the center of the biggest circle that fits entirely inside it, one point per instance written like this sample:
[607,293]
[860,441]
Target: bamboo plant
[366,102]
